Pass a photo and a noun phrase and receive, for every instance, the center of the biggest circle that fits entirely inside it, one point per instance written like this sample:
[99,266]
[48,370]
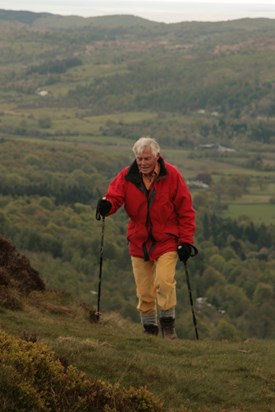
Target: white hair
[144,142]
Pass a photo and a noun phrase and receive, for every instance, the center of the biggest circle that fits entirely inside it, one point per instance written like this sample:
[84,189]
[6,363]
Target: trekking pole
[97,314]
[194,253]
[191,300]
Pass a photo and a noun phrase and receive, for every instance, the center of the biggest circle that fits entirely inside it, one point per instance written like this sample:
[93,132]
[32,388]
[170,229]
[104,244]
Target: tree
[225,330]
[263,294]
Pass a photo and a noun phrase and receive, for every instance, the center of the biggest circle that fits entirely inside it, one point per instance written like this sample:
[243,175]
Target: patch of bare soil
[17,277]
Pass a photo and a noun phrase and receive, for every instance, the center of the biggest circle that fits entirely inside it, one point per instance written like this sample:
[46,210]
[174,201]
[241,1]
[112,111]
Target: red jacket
[160,218]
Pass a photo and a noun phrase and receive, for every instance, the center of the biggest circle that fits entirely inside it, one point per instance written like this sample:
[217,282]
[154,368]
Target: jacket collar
[134,176]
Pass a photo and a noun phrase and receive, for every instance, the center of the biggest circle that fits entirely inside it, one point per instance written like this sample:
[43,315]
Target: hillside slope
[17,277]
[184,375]
[32,376]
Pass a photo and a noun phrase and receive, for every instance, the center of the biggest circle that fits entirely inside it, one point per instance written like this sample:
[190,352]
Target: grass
[69,120]
[200,376]
[259,212]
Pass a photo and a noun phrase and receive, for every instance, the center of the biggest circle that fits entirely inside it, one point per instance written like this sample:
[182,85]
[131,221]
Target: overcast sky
[157,10]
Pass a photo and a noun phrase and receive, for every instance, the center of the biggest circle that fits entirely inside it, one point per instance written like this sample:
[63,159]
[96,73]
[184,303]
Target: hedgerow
[33,379]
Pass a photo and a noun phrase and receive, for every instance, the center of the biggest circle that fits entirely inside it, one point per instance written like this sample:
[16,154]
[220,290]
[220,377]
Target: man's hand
[103,207]
[185,250]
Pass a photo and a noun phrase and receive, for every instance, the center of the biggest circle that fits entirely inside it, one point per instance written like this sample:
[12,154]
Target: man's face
[146,161]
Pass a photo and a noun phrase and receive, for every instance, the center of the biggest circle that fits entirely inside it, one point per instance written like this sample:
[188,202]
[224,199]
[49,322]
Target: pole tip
[94,316]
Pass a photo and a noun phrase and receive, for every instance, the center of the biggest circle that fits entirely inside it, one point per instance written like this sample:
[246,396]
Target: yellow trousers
[155,283]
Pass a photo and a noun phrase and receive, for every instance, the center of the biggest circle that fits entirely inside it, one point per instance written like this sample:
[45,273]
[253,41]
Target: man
[161,229]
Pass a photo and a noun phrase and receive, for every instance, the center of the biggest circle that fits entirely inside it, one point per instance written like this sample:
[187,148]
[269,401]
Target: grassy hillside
[182,375]
[130,64]
[186,375]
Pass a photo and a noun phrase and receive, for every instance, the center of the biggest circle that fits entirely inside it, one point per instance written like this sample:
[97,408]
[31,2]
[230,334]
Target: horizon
[164,12]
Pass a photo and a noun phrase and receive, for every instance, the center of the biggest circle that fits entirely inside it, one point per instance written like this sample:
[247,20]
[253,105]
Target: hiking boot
[151,329]
[168,328]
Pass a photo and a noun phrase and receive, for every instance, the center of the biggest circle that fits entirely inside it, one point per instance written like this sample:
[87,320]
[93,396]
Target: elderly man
[161,229]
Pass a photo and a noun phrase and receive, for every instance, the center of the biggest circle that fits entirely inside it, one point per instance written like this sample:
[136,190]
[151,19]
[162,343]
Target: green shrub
[32,378]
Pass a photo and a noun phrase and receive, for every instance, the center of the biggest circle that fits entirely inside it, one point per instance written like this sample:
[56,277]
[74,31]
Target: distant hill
[57,21]
[26,17]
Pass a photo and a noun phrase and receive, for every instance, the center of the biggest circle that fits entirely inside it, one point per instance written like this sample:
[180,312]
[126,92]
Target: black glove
[103,207]
[185,250]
